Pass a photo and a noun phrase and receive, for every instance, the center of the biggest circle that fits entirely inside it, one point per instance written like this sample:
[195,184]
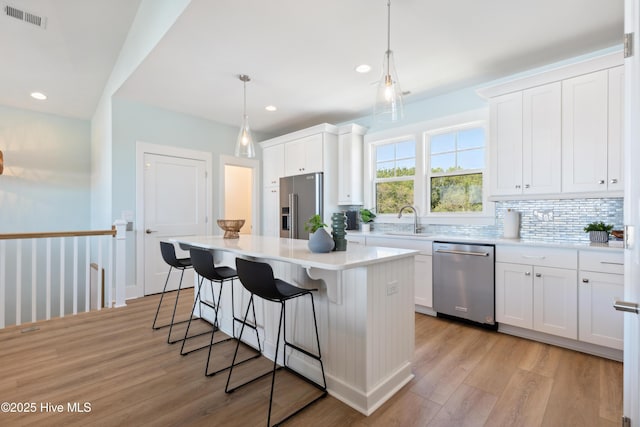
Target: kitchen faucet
[416,228]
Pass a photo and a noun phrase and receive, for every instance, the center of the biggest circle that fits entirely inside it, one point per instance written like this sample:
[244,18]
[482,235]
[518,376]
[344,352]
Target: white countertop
[296,251]
[616,245]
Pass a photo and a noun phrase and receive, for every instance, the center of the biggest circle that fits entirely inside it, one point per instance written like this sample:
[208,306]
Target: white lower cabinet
[536,288]
[600,284]
[555,303]
[423,281]
[514,290]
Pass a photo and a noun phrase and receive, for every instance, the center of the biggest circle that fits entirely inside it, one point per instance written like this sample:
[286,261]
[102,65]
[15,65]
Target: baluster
[19,282]
[3,280]
[34,280]
[75,275]
[62,277]
[87,277]
[99,243]
[110,270]
[48,290]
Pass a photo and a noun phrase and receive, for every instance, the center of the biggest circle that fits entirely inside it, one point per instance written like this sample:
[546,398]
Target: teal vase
[338,231]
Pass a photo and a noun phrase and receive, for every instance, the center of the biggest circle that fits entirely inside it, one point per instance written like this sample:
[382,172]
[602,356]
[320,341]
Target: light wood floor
[128,374]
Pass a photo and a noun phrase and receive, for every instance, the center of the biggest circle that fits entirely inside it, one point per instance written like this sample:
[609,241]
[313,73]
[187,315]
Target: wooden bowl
[231,227]
[618,234]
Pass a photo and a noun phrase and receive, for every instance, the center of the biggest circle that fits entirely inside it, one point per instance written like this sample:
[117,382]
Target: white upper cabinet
[615,156]
[505,150]
[273,165]
[350,145]
[304,155]
[526,141]
[585,132]
[541,139]
[558,132]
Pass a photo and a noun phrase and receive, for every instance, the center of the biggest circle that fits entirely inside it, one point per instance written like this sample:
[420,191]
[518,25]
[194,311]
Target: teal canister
[338,231]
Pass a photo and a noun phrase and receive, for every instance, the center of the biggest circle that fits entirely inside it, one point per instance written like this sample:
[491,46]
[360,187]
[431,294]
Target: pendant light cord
[388,35]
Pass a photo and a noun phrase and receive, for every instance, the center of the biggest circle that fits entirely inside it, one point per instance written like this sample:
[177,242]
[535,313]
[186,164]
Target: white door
[174,205]
[632,216]
[555,301]
[514,293]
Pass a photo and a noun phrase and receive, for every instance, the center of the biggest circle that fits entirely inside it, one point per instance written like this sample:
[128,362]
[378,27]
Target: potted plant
[319,240]
[598,231]
[366,218]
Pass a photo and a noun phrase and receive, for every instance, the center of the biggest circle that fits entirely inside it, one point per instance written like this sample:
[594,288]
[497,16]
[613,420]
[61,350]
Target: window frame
[428,174]
[422,193]
[376,180]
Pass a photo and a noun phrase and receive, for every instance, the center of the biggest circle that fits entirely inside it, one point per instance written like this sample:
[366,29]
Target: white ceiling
[300,55]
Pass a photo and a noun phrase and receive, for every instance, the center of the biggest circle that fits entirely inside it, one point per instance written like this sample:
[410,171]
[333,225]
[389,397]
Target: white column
[121,248]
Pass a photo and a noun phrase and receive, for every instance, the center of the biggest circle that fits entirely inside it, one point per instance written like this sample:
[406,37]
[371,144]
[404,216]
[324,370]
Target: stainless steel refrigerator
[300,199]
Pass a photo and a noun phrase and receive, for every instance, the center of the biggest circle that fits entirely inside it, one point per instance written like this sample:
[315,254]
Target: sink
[406,234]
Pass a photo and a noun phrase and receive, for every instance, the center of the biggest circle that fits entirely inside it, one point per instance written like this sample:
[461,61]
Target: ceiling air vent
[25,16]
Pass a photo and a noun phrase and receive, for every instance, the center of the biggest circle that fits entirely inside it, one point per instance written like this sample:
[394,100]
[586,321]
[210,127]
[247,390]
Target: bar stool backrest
[203,264]
[169,254]
[257,278]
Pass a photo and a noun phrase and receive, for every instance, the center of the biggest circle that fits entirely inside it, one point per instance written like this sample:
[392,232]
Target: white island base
[364,307]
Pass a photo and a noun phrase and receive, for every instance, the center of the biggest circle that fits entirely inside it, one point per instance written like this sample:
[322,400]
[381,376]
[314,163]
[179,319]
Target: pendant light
[244,144]
[388,107]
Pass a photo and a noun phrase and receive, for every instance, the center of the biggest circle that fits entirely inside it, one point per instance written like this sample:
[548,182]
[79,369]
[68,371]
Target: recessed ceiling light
[363,68]
[39,96]
[270,108]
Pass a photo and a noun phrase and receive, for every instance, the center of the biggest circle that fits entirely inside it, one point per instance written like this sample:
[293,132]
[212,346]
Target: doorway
[238,195]
[239,184]
[173,198]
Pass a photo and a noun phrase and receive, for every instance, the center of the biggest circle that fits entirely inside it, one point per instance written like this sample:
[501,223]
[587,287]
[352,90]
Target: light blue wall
[45,185]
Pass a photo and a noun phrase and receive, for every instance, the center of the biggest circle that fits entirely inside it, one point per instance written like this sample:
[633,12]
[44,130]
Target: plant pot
[599,236]
[365,227]
[320,241]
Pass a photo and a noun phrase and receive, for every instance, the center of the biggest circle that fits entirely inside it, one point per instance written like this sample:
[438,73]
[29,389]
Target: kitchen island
[364,306]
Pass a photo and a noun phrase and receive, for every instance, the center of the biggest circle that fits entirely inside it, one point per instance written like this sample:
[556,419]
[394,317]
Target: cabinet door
[514,304]
[584,132]
[423,281]
[505,149]
[270,214]
[599,322]
[555,301]
[350,169]
[615,159]
[303,155]
[541,136]
[273,165]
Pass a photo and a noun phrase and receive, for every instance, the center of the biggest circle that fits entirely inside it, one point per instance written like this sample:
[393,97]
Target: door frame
[256,219]
[143,148]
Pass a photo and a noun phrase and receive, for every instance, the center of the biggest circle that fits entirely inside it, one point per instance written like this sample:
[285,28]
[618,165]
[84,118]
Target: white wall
[45,185]
[238,197]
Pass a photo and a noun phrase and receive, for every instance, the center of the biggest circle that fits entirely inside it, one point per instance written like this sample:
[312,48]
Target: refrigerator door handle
[293,215]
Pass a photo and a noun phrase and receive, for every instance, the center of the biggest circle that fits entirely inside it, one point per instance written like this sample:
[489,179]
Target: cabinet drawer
[533,255]
[602,261]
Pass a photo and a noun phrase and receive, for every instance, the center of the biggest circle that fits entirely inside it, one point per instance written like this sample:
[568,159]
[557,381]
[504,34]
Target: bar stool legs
[282,329]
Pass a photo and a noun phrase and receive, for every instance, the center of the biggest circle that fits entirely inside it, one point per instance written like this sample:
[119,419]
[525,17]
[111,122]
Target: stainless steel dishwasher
[464,281]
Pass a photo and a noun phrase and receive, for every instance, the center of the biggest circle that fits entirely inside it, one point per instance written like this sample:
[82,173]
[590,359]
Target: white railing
[49,274]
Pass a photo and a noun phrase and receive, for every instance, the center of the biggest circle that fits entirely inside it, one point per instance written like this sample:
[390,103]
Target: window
[456,160]
[395,169]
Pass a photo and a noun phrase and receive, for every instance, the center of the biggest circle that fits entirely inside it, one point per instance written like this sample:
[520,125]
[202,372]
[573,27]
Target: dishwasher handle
[454,252]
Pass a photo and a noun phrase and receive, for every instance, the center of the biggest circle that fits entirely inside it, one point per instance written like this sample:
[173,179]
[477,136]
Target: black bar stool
[168,252]
[203,264]
[257,278]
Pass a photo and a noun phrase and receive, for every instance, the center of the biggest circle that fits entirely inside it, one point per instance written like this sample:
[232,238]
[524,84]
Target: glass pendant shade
[388,106]
[244,143]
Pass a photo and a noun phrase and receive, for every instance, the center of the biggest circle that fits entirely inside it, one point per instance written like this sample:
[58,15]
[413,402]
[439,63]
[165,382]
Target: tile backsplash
[539,219]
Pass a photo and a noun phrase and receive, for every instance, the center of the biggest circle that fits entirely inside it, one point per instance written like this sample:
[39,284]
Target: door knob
[630,307]
[149,231]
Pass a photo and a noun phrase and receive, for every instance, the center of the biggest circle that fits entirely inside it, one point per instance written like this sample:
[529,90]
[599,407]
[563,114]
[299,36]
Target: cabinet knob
[602,181]
[585,280]
[538,275]
[527,186]
[614,181]
[517,186]
[527,273]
